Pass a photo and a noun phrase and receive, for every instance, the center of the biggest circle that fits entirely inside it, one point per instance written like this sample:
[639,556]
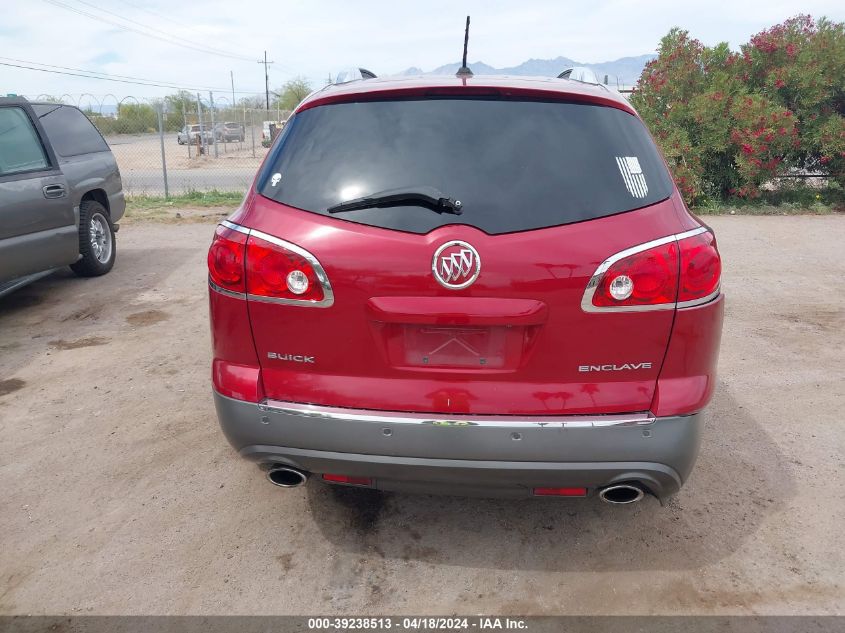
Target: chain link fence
[181,144]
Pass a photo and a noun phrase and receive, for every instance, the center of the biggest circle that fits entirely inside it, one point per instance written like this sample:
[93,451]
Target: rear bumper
[466,455]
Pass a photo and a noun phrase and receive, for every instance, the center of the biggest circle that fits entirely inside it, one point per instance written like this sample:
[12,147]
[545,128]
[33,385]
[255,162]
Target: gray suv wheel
[96,240]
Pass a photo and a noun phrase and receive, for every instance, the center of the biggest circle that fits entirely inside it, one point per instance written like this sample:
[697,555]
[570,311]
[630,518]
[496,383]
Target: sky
[315,38]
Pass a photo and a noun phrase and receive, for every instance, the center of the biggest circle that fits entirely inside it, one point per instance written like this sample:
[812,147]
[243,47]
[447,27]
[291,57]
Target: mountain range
[624,71]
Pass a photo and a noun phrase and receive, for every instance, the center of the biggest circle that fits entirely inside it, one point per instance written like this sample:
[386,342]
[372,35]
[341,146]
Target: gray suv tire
[96,241]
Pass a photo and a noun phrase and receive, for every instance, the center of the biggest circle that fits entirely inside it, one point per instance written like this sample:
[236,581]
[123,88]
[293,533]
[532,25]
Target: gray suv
[60,193]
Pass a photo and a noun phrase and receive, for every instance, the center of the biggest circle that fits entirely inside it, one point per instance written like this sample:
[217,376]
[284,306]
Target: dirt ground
[121,496]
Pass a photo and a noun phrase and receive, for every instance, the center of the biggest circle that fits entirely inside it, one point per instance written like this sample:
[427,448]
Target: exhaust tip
[621,494]
[286,477]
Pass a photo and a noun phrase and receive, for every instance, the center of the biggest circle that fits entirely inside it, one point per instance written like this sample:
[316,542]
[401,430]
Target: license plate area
[476,348]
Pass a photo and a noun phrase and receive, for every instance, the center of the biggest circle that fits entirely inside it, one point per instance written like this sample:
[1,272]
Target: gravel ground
[120,495]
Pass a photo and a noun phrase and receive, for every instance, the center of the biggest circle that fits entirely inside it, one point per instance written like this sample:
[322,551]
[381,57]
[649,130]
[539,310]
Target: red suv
[481,286]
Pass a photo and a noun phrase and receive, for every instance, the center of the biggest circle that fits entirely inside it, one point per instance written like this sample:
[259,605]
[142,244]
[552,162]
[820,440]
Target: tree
[178,107]
[728,122]
[801,65]
[252,103]
[294,91]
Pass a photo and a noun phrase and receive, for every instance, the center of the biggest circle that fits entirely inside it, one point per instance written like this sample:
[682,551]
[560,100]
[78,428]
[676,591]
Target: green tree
[132,118]
[294,91]
[178,108]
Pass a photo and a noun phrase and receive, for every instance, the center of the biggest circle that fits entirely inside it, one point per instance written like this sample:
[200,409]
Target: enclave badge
[456,265]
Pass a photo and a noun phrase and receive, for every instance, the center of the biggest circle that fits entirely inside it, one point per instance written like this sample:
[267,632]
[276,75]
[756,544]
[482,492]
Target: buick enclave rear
[478,286]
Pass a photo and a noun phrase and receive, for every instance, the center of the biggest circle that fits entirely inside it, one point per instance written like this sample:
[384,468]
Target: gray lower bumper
[461,457]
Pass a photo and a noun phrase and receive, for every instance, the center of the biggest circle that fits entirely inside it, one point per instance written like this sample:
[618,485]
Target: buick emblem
[456,265]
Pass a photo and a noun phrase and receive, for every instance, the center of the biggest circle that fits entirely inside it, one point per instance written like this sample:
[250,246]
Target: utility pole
[201,143]
[266,81]
[213,126]
[232,77]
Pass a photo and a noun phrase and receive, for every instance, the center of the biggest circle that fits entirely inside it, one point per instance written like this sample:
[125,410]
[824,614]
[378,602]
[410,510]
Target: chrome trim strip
[587,299]
[691,232]
[235,227]
[701,301]
[322,277]
[325,303]
[440,420]
[223,291]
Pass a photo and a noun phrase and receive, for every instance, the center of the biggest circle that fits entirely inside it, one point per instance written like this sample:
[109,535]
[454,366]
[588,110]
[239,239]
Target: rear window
[70,132]
[514,165]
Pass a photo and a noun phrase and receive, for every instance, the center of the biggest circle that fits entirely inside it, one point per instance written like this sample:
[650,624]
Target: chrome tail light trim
[587,299]
[319,271]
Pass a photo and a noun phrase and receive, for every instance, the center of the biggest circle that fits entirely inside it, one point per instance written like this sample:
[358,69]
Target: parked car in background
[229,131]
[414,297]
[60,193]
[191,133]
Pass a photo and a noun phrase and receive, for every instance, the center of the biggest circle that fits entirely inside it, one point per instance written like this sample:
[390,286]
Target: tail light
[266,268]
[226,259]
[679,270]
[278,270]
[701,268]
[646,278]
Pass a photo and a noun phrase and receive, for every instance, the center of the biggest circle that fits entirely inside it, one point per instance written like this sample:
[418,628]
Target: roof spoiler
[580,73]
[353,74]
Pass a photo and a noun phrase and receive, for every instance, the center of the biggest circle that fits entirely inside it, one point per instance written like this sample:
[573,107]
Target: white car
[190,133]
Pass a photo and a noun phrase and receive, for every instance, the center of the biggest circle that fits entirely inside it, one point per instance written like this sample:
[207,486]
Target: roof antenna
[464,70]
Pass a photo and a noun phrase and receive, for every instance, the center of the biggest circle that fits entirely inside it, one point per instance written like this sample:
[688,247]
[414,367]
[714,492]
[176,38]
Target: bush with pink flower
[729,121]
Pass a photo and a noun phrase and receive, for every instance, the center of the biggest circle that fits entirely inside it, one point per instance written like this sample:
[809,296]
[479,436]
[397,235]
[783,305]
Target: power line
[82,70]
[161,16]
[169,39]
[162,31]
[89,74]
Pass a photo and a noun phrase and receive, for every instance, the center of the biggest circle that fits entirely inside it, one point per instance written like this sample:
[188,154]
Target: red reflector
[560,492]
[348,479]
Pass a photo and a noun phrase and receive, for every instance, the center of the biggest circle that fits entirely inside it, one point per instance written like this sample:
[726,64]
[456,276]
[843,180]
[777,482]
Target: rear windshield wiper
[424,196]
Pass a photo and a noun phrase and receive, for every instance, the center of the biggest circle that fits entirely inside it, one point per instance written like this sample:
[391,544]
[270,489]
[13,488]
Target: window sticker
[632,174]
[275,179]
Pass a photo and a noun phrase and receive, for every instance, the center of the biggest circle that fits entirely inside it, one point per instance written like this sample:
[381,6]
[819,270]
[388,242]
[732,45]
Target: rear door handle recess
[54,191]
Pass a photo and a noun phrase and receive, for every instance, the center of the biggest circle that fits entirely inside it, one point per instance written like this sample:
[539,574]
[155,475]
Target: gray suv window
[69,131]
[514,165]
[20,147]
